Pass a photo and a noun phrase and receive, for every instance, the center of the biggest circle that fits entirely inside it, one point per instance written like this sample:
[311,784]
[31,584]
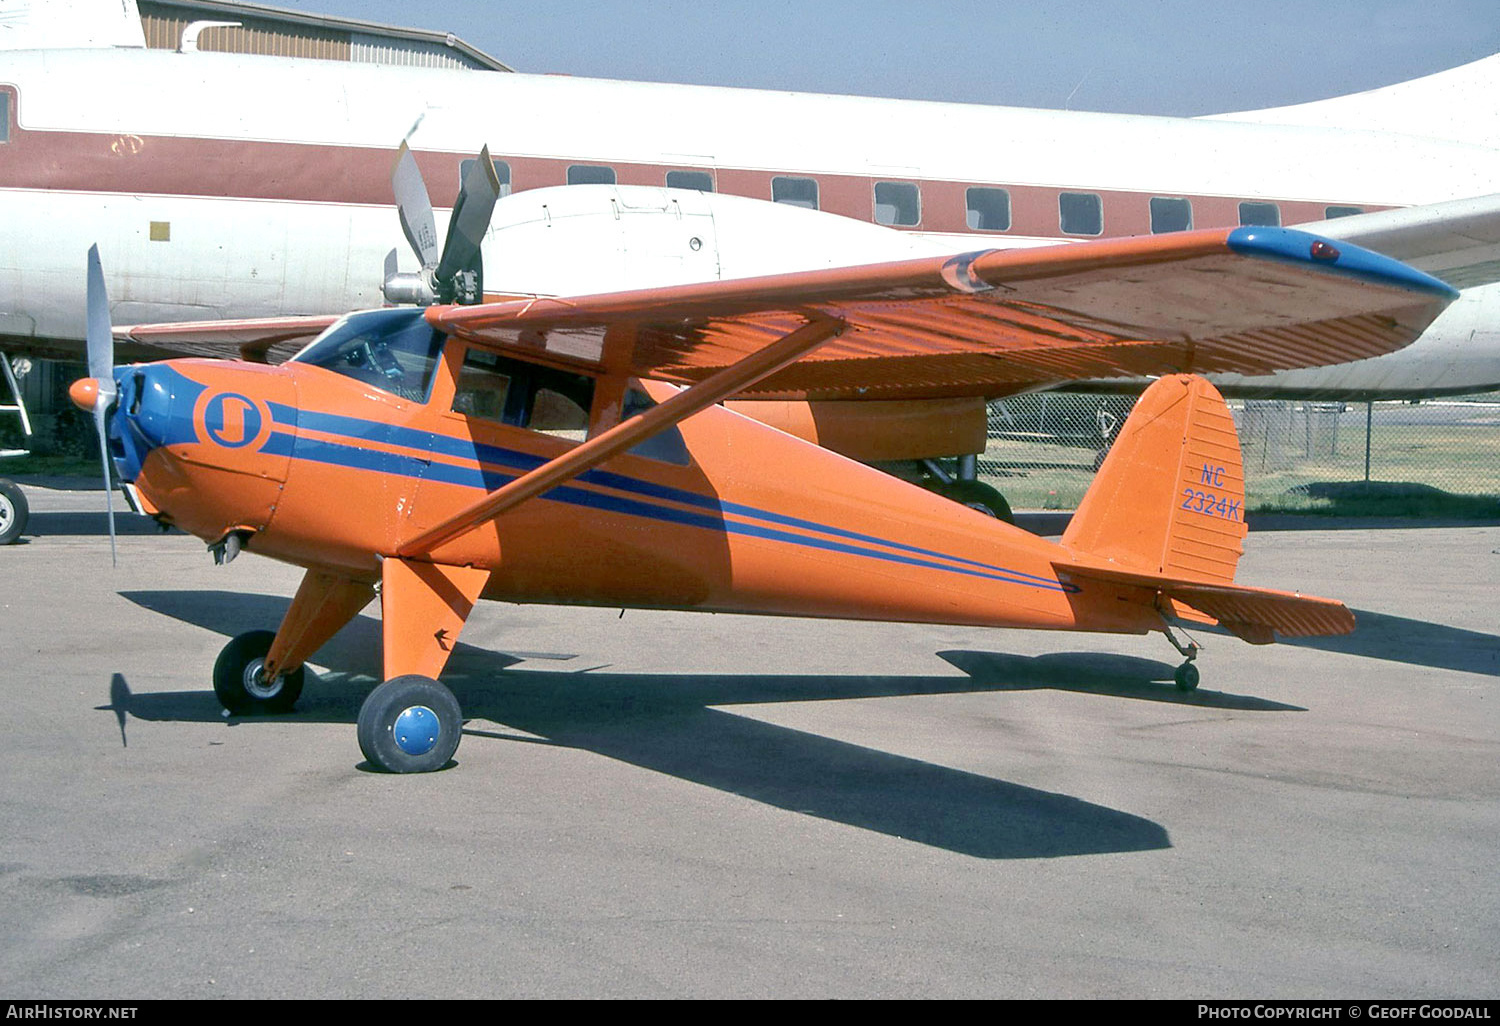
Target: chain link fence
[1431,457]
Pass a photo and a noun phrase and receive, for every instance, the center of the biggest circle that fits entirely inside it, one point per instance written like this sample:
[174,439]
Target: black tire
[1186,677]
[14,511]
[977,496]
[239,686]
[410,724]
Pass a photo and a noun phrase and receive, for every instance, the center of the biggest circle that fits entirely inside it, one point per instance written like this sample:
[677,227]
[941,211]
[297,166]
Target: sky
[1179,57]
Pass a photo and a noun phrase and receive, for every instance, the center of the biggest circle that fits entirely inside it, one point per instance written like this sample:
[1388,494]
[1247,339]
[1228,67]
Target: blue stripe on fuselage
[473,474]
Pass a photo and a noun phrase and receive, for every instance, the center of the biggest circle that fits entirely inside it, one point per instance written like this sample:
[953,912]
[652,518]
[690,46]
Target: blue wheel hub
[416,730]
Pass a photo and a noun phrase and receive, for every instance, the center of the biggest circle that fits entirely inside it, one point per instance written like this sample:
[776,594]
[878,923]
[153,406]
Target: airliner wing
[255,340]
[1457,241]
[1248,300]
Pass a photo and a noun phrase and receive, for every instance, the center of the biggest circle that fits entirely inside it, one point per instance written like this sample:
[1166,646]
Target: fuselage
[228,186]
[334,459]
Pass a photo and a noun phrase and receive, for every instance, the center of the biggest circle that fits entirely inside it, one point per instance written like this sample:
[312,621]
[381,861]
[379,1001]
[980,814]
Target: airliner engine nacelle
[581,239]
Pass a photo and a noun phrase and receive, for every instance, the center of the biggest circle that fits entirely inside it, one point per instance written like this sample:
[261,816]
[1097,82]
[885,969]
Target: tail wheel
[13,511]
[410,724]
[240,680]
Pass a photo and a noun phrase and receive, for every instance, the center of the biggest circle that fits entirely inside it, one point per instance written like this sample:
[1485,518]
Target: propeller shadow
[675,724]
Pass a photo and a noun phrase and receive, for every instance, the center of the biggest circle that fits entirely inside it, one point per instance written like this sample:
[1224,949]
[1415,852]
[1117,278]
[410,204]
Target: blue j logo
[232,420]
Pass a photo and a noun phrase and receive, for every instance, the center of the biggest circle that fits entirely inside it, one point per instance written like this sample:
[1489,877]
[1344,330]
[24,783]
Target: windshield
[393,350]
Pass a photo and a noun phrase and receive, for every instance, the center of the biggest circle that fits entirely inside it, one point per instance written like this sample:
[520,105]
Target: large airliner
[223,186]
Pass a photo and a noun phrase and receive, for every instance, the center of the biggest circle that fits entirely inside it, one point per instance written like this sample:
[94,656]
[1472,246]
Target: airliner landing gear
[965,488]
[13,511]
[410,724]
[1186,675]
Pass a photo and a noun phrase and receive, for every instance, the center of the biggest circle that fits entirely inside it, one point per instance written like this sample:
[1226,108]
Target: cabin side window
[4,116]
[507,391]
[1261,215]
[1080,213]
[795,192]
[666,446]
[1337,211]
[1170,215]
[700,181]
[898,203]
[502,172]
[988,209]
[590,174]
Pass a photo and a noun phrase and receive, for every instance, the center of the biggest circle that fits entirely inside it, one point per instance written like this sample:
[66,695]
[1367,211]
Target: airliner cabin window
[1267,215]
[1333,212]
[989,209]
[1170,215]
[795,192]
[590,174]
[502,172]
[1080,213]
[702,181]
[897,203]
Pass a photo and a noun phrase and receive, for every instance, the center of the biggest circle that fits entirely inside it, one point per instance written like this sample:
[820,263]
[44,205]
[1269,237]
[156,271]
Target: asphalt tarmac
[686,805]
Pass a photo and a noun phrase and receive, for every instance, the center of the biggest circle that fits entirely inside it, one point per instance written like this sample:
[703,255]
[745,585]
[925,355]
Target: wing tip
[1335,256]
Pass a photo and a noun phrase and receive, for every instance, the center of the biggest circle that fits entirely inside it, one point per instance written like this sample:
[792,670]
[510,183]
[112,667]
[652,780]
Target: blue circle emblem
[232,420]
[416,730]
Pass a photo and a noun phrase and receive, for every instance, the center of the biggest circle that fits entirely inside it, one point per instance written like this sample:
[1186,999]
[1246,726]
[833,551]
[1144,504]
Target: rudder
[1169,499]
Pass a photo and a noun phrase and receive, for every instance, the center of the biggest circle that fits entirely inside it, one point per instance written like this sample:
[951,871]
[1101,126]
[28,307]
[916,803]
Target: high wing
[1269,298]
[1247,300]
[1457,241]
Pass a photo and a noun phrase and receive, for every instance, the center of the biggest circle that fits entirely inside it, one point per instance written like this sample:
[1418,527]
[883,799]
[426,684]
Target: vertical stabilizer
[1170,497]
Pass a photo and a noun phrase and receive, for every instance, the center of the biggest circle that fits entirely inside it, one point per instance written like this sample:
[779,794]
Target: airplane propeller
[101,352]
[454,274]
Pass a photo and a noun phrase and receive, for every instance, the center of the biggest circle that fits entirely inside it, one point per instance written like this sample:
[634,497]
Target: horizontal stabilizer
[1255,614]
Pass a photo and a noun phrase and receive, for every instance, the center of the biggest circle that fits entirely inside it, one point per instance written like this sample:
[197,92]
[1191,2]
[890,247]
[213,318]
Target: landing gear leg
[412,723]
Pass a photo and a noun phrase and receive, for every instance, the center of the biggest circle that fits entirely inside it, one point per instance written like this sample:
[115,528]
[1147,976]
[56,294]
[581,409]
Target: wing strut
[734,378]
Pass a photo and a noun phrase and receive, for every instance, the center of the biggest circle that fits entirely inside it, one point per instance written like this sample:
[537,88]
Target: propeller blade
[414,207]
[101,341]
[101,350]
[471,218]
[101,424]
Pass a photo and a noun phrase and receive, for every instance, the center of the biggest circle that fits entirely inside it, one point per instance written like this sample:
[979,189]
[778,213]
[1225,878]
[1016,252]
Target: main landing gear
[410,724]
[241,683]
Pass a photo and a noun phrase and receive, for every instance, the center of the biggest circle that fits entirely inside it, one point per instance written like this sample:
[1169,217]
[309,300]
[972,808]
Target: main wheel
[977,496]
[410,724]
[240,682]
[13,511]
[1186,677]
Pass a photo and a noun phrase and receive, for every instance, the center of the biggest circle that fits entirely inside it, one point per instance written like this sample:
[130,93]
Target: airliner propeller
[454,275]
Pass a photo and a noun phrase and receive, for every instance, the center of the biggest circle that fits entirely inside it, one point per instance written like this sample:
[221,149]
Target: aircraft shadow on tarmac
[1398,639]
[670,724]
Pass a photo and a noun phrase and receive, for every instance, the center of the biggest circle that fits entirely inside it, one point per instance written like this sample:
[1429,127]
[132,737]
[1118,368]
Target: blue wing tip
[1335,255]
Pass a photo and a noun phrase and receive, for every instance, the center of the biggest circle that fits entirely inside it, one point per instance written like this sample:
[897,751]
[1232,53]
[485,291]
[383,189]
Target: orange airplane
[572,450]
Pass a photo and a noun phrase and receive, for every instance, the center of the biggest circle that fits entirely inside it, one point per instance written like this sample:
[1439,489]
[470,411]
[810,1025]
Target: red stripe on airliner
[325,173]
